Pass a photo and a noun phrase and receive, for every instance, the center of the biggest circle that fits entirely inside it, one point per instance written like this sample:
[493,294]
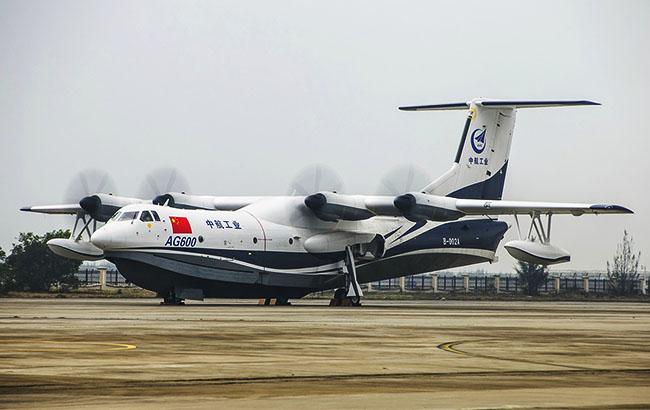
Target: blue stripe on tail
[491,188]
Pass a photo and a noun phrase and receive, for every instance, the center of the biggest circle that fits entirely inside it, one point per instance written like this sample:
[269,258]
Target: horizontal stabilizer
[535,104]
[498,103]
[449,106]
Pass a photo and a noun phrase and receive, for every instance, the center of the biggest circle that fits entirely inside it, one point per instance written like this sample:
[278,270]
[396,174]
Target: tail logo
[478,140]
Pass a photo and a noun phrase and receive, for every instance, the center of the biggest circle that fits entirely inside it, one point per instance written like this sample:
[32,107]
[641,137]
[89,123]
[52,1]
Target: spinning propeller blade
[161,181]
[89,182]
[402,179]
[315,178]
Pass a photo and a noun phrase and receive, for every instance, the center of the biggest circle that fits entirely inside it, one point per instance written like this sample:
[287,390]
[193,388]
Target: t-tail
[479,169]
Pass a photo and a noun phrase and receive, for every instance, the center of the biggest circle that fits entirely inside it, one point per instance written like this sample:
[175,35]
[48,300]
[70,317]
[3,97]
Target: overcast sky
[240,96]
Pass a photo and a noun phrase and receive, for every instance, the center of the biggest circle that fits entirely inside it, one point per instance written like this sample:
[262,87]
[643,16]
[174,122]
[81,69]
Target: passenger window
[146,217]
[155,216]
[128,216]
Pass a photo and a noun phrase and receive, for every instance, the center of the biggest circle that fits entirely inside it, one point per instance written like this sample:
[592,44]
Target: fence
[449,282]
[91,277]
[444,282]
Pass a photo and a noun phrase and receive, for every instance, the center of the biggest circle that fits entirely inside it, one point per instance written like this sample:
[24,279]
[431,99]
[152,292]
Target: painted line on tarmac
[450,347]
[120,346]
[65,345]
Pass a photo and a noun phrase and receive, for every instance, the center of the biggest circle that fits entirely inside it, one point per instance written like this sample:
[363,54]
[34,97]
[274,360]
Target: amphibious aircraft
[186,246]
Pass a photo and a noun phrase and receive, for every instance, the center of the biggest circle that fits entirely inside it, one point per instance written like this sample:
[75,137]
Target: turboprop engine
[416,206]
[102,206]
[537,252]
[332,207]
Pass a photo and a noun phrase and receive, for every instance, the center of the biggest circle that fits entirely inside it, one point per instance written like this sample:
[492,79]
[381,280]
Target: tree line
[31,266]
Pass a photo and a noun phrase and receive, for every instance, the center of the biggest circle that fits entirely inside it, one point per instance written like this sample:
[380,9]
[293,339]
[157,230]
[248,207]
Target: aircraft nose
[102,238]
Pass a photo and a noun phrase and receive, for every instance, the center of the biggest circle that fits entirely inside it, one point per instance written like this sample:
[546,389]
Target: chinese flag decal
[180,224]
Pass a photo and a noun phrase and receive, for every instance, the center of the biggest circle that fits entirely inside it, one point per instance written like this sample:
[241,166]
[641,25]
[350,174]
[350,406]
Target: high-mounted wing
[65,209]
[99,206]
[417,206]
[483,207]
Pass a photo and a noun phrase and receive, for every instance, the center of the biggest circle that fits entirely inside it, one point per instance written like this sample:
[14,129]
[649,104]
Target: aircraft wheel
[170,299]
[355,300]
[340,293]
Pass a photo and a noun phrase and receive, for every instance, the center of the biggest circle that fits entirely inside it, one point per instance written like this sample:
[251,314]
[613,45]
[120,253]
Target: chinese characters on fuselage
[221,224]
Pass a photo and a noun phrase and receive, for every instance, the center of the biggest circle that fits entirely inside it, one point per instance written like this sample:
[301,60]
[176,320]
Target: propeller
[315,178]
[161,181]
[85,185]
[402,179]
[88,182]
[310,180]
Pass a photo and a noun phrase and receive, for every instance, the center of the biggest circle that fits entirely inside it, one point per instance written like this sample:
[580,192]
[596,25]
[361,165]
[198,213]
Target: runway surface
[112,353]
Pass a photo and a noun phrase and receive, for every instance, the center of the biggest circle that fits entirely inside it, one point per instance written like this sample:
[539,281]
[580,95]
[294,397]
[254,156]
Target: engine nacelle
[78,250]
[537,252]
[102,206]
[184,201]
[332,207]
[366,245]
[416,206]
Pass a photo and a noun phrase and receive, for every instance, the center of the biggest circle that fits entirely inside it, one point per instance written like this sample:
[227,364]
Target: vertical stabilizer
[479,169]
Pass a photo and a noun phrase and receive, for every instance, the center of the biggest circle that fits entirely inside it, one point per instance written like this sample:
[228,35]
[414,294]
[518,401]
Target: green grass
[87,293]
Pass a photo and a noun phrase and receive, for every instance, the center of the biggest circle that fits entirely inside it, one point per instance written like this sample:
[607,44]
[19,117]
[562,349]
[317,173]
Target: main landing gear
[352,293]
[170,299]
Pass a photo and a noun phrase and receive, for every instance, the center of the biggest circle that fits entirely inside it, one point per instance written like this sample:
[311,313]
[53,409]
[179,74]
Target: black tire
[340,293]
[355,300]
[170,299]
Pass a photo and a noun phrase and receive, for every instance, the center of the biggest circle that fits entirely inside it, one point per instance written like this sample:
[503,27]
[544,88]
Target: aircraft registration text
[451,241]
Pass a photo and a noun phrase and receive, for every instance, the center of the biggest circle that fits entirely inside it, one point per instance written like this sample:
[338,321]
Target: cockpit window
[128,216]
[155,216]
[146,216]
[115,216]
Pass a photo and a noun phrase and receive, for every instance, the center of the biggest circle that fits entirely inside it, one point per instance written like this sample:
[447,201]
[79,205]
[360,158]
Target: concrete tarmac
[128,353]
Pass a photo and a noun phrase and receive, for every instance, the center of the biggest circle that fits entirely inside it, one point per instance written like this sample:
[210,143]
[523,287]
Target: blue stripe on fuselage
[268,259]
[474,233]
[415,227]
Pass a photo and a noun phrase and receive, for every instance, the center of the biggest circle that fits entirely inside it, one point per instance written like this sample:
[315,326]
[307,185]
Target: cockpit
[144,216]
[134,224]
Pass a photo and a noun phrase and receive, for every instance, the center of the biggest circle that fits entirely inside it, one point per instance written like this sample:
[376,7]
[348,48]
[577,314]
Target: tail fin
[479,169]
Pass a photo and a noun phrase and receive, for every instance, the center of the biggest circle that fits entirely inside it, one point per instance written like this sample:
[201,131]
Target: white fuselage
[277,247]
